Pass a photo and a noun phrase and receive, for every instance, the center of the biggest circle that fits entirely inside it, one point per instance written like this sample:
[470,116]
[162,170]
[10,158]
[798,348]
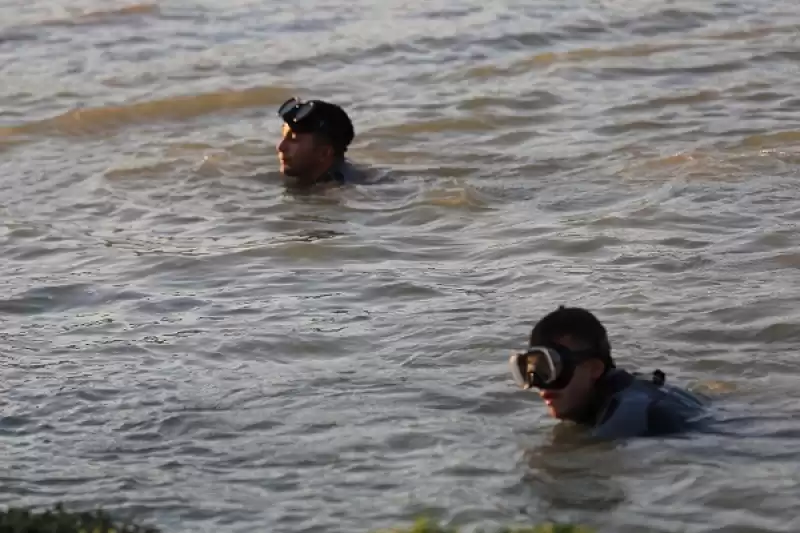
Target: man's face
[300,154]
[570,401]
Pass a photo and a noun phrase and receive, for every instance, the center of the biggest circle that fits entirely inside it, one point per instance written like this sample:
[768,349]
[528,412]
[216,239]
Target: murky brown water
[183,339]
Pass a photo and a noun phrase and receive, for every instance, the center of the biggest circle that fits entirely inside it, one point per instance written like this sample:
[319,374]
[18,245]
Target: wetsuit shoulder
[673,412]
[347,172]
[626,414]
[644,409]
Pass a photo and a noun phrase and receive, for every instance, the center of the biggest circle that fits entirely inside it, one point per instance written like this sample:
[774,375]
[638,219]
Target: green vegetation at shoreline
[60,520]
[428,526]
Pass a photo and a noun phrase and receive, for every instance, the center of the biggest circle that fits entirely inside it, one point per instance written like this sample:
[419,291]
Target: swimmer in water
[315,138]
[569,361]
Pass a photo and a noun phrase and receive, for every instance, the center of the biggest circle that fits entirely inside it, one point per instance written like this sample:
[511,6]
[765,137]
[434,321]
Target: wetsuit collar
[334,173]
[613,381]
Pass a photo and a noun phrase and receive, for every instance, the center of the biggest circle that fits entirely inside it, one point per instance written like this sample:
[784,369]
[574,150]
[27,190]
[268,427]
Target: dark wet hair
[577,323]
[339,131]
[326,121]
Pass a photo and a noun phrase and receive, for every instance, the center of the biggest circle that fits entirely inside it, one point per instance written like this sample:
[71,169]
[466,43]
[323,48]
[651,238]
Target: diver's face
[575,397]
[299,154]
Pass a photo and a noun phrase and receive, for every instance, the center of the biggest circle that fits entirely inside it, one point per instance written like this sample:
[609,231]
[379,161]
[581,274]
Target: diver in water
[569,361]
[315,138]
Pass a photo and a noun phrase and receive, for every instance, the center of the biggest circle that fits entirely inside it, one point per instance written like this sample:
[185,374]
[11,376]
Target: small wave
[12,37]
[456,197]
[543,60]
[772,140]
[639,50]
[754,154]
[104,16]
[438,125]
[96,120]
[756,33]
[652,104]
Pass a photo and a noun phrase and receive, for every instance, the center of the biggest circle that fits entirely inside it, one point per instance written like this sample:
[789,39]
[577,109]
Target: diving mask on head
[299,114]
[546,367]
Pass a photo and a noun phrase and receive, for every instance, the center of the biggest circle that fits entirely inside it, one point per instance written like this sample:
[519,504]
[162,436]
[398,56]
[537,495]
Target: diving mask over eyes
[546,367]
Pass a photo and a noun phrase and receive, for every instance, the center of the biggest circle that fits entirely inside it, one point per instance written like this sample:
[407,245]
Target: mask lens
[538,367]
[295,112]
[548,364]
[288,105]
[520,370]
[303,111]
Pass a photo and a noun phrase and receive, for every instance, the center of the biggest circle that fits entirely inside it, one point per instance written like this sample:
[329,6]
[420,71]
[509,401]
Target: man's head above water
[568,352]
[316,134]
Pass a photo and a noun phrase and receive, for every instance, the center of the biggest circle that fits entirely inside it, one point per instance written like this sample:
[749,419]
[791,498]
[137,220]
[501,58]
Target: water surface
[186,341]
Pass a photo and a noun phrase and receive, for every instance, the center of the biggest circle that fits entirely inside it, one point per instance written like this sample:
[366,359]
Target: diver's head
[567,353]
[315,136]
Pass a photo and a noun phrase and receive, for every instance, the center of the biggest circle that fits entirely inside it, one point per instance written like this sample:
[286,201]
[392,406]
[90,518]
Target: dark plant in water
[59,520]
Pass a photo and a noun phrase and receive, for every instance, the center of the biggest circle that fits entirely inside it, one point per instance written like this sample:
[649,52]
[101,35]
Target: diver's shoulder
[352,173]
[673,409]
[648,407]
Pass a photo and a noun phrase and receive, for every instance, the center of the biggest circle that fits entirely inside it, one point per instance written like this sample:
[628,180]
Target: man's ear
[596,368]
[326,150]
